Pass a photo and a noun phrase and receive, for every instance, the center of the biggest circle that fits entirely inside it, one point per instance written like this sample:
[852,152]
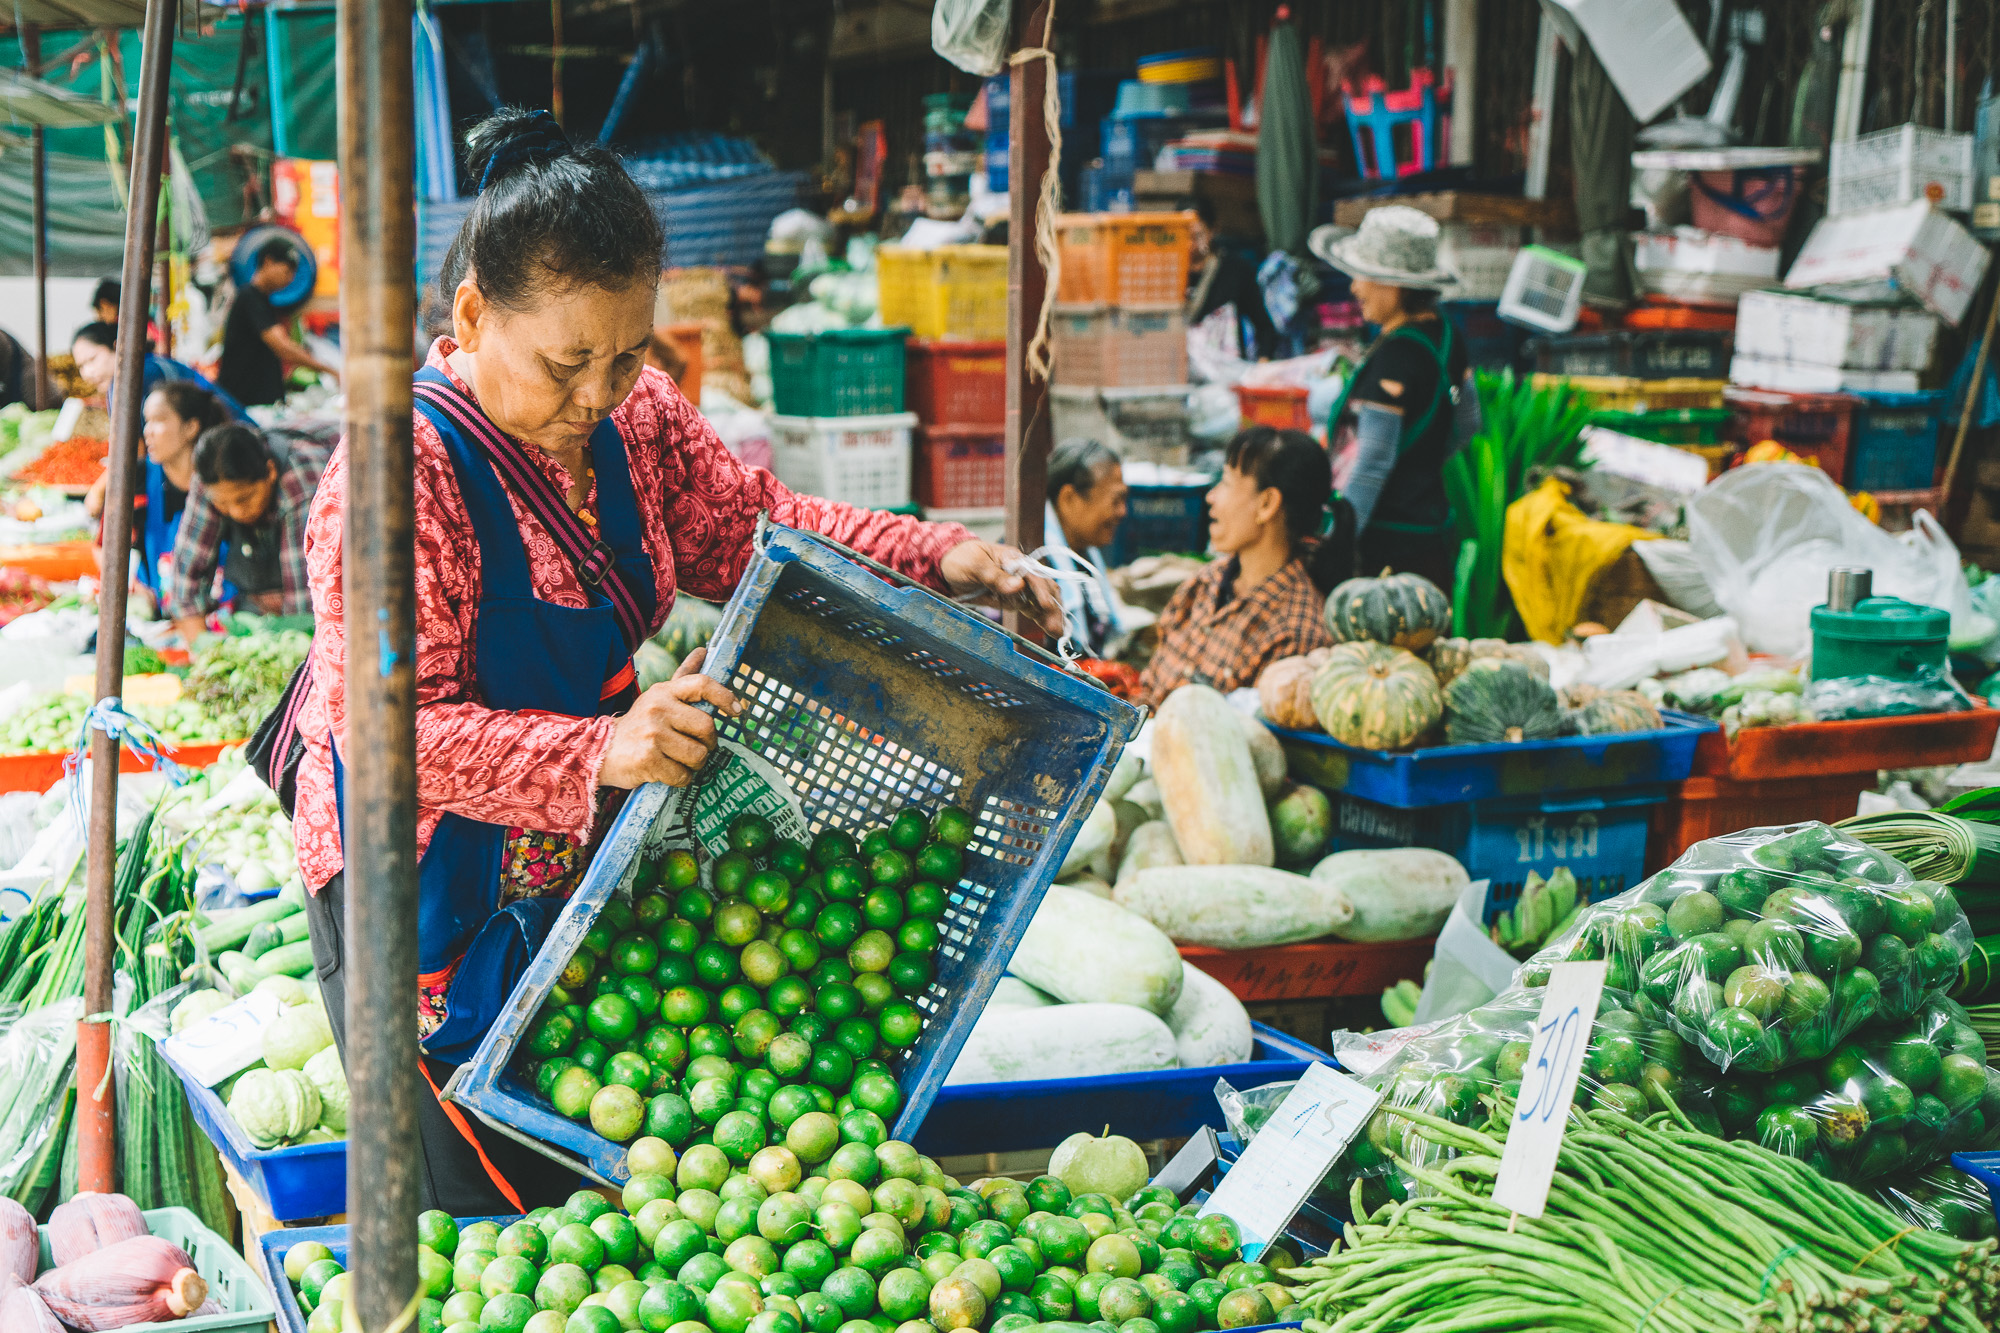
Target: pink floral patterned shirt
[536,772]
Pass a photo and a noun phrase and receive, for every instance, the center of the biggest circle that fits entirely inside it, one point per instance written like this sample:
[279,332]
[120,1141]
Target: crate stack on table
[1663,385]
[839,429]
[1120,341]
[954,301]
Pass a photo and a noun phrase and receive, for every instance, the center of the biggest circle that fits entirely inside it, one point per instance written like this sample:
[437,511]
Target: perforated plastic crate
[272,1247]
[1103,346]
[865,696]
[308,1180]
[954,291]
[232,1282]
[961,467]
[950,383]
[1124,258]
[839,373]
[857,460]
[1282,406]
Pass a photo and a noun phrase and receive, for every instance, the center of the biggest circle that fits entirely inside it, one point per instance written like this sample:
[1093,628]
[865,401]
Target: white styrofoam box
[1648,49]
[1544,290]
[1701,267]
[1758,372]
[1783,326]
[1907,164]
[1482,257]
[857,460]
[1894,254]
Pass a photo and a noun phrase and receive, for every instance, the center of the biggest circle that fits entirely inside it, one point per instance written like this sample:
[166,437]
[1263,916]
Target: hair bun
[509,140]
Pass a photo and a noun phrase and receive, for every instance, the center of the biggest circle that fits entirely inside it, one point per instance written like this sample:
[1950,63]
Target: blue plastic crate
[1490,341]
[1600,837]
[1170,520]
[306,1181]
[1895,442]
[725,224]
[867,696]
[1983,1167]
[1154,1104]
[272,1247]
[1446,774]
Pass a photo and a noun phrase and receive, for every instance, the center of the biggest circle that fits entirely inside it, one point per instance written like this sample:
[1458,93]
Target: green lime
[524,1239]
[731,1306]
[617,1112]
[620,1237]
[612,1019]
[845,882]
[510,1273]
[878,1093]
[852,1289]
[917,935]
[889,868]
[663,1045]
[694,905]
[957,1303]
[808,896]
[832,1066]
[677,935]
[715,964]
[750,834]
[813,1136]
[925,899]
[790,858]
[736,1001]
[769,891]
[643,992]
[837,1001]
[951,826]
[882,909]
[552,1034]
[838,925]
[737,923]
[874,842]
[634,955]
[573,1092]
[575,1243]
[876,990]
[857,1036]
[801,950]
[870,952]
[703,1271]
[867,1127]
[665,1304]
[679,869]
[669,1117]
[762,963]
[506,1313]
[832,846]
[755,1031]
[789,996]
[908,831]
[677,1242]
[592,1319]
[738,1134]
[711,1039]
[435,1230]
[900,1024]
[629,1069]
[684,1006]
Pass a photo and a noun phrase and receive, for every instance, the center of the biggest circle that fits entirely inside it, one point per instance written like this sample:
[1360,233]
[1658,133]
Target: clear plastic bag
[1245,1112]
[972,34]
[37,1055]
[1768,947]
[1942,1199]
[1845,697]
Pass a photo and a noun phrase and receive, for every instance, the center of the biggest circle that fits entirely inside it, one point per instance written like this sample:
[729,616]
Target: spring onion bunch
[1649,1225]
[1527,430]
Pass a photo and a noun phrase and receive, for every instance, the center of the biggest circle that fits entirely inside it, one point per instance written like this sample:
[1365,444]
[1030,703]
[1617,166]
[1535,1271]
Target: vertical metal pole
[1029,430]
[556,60]
[97,1119]
[377,325]
[38,168]
[1461,57]
[1542,110]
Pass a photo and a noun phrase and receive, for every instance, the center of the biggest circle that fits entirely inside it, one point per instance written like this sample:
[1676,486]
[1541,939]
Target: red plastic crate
[39,772]
[1318,970]
[961,467]
[1859,745]
[1279,405]
[956,383]
[1119,347]
[1708,807]
[1819,426]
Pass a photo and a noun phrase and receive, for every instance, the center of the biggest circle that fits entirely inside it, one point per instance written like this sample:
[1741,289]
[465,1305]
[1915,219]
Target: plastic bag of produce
[1941,1199]
[972,34]
[1892,1095]
[1766,948]
[1245,1112]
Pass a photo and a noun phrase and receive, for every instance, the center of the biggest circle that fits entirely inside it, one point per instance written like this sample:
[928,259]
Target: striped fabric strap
[595,561]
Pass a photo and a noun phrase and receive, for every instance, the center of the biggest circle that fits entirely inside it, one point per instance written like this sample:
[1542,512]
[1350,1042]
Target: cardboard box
[1781,326]
[1556,215]
[1806,377]
[1908,252]
[1700,267]
[1649,49]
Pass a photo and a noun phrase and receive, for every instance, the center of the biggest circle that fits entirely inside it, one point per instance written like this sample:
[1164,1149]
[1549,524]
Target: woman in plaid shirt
[1264,596]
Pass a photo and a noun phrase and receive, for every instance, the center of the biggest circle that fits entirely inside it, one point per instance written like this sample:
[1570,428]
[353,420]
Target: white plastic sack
[1766,535]
[1674,567]
[972,34]
[1467,967]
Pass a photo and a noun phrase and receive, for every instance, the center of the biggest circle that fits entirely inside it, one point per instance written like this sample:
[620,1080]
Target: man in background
[258,350]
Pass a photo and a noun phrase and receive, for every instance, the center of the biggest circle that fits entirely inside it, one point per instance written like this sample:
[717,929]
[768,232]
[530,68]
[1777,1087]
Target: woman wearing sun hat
[1396,422]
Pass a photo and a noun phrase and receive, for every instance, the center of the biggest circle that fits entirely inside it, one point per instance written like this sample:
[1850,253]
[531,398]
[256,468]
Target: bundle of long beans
[1949,848]
[1651,1226]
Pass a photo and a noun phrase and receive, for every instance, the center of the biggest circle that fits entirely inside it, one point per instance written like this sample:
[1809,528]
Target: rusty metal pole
[1029,431]
[377,327]
[38,234]
[97,1113]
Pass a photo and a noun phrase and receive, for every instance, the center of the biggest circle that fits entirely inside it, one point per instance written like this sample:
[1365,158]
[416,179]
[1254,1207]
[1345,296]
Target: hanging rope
[1046,202]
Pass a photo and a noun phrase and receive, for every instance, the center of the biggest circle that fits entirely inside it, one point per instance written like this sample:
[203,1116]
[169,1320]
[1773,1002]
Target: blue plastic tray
[1444,774]
[868,696]
[307,1181]
[1983,1167]
[1155,1104]
[273,1246]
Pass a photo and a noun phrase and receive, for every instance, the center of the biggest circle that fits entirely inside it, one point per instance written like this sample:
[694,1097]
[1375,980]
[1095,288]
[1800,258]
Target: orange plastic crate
[39,772]
[1124,258]
[1278,405]
[1119,347]
[1708,807]
[1861,745]
[1321,969]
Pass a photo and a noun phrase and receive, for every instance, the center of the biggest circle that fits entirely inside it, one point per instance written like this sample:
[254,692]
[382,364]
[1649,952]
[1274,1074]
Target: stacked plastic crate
[839,429]
[954,299]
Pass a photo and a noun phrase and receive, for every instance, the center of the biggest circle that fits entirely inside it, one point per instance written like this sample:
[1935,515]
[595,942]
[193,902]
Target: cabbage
[287,989]
[299,1034]
[331,1081]
[195,1007]
[273,1105]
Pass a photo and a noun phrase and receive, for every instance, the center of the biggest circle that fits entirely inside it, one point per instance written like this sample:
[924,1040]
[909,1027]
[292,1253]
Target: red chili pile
[77,461]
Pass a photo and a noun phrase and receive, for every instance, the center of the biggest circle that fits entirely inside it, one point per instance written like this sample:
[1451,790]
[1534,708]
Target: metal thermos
[1847,586]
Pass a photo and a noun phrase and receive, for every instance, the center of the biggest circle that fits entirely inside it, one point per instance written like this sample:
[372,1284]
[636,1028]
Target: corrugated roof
[26,101]
[60,14]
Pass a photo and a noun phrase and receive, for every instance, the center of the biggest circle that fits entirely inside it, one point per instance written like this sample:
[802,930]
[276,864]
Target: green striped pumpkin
[1496,699]
[1406,610]
[1376,696]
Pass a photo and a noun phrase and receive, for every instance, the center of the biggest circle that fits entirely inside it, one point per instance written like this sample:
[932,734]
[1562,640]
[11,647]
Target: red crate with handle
[956,383]
[961,467]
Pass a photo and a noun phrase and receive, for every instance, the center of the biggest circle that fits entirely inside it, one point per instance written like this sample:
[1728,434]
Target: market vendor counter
[58,562]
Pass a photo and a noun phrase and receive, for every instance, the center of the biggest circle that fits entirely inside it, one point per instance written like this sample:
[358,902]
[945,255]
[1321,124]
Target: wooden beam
[377,323]
[97,1111]
[1030,434]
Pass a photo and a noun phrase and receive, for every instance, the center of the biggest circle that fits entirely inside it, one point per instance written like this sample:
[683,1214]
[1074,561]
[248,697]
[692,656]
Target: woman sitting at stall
[176,415]
[245,518]
[1399,418]
[1264,595]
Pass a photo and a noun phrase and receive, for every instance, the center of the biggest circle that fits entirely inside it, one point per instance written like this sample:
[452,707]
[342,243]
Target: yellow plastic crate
[1623,393]
[1717,456]
[954,291]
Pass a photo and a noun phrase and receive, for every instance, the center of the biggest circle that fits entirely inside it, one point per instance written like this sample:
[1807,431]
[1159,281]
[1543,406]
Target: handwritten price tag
[1548,1086]
[228,1041]
[1291,1154]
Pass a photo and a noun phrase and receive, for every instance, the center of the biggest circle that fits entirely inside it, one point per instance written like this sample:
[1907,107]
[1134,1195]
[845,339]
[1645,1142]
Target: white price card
[1548,1085]
[228,1041]
[1291,1154]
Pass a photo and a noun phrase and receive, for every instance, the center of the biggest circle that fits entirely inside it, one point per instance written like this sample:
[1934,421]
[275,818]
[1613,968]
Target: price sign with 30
[1548,1086]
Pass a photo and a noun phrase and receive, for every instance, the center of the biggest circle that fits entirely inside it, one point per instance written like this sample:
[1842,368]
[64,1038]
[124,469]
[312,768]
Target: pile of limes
[721,1013]
[876,1240]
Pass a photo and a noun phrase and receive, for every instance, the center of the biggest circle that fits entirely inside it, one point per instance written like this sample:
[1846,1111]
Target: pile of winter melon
[1205,842]
[1393,680]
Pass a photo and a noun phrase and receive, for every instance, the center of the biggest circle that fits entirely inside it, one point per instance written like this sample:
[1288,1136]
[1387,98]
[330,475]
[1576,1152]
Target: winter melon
[1082,949]
[1301,822]
[1208,780]
[1235,907]
[1402,893]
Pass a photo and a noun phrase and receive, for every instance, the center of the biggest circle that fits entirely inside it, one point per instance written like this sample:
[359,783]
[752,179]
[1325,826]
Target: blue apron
[156,537]
[530,655]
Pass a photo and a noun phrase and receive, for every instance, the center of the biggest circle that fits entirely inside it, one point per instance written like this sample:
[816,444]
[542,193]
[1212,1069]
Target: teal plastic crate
[840,373]
[232,1282]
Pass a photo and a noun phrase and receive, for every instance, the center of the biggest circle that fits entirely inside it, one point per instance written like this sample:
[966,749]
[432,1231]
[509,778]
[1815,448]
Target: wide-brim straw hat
[1396,244]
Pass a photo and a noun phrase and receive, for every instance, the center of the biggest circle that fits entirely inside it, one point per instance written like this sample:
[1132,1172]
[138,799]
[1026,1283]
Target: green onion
[1934,845]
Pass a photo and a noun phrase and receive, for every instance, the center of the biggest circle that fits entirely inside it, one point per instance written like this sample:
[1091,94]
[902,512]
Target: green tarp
[86,220]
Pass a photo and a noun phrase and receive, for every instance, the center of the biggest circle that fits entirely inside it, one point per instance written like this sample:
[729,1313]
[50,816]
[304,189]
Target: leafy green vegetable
[241,678]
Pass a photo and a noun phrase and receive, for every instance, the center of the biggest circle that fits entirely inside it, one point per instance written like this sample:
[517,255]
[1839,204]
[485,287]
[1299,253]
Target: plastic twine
[1046,202]
[1031,565]
[108,715]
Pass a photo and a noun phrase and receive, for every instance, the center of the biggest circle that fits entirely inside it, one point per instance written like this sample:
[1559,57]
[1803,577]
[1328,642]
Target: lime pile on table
[877,1240]
[722,1013]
